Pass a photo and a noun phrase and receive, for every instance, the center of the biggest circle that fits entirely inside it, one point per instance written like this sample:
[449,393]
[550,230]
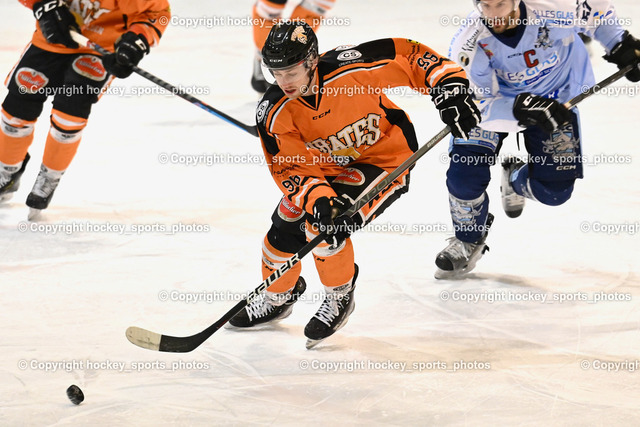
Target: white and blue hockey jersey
[544,57]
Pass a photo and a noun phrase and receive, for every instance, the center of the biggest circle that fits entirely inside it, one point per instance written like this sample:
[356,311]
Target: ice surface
[68,297]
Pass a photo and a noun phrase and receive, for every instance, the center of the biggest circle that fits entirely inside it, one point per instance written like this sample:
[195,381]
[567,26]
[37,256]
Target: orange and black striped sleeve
[295,169]
[148,18]
[398,62]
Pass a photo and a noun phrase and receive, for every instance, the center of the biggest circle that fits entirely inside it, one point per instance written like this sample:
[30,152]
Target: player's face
[501,15]
[294,81]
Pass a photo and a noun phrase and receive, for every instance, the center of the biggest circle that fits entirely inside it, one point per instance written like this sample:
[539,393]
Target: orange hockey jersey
[350,120]
[103,21]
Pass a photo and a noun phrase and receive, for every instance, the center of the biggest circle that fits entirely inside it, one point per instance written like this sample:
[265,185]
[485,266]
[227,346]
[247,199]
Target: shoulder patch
[349,55]
[262,110]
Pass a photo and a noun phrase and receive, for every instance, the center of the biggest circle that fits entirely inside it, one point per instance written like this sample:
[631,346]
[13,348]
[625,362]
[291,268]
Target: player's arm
[55,21]
[403,62]
[146,21]
[603,24]
[294,168]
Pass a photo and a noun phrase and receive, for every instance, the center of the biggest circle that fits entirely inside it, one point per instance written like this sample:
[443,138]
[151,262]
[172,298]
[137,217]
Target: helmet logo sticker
[299,35]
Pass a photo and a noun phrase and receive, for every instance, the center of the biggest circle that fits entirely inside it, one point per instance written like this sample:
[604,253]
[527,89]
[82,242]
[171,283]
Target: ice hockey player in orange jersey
[329,135]
[266,13]
[54,65]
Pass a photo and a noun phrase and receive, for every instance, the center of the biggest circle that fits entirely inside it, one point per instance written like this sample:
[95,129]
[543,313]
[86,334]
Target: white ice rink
[415,351]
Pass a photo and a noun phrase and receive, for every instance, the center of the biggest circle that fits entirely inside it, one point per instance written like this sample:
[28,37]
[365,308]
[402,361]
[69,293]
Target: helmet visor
[284,75]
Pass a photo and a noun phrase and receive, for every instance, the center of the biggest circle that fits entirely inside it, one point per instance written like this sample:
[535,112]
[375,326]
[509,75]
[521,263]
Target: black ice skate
[332,315]
[10,179]
[268,307]
[258,82]
[512,202]
[42,191]
[459,257]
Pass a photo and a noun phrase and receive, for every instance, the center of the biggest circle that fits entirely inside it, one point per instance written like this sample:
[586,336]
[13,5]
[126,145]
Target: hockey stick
[154,341]
[253,130]
[166,343]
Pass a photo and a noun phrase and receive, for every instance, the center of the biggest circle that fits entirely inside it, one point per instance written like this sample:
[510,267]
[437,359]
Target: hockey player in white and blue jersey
[524,60]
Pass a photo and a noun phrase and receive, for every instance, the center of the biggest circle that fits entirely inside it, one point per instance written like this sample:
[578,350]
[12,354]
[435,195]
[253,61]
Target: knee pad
[319,7]
[468,175]
[552,193]
[27,108]
[285,242]
[269,9]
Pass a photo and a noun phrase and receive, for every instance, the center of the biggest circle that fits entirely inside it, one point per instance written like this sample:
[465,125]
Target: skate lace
[330,308]
[259,307]
[4,178]
[511,198]
[458,249]
[45,185]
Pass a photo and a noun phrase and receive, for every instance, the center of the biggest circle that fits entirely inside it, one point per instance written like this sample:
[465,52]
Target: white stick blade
[143,338]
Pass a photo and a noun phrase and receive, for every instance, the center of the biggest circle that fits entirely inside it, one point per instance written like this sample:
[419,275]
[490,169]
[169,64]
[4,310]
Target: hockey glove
[328,218]
[457,109]
[534,110]
[55,21]
[625,53]
[130,48]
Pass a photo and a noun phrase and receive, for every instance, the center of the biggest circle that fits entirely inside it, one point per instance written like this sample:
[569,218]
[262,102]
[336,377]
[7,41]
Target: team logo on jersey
[543,41]
[530,75]
[87,10]
[349,55]
[487,51]
[344,47]
[350,176]
[261,111]
[288,211]
[299,35]
[562,145]
[342,145]
[89,66]
[30,80]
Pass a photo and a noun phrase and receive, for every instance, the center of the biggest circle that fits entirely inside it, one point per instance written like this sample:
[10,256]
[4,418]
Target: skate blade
[312,343]
[461,274]
[34,214]
[6,197]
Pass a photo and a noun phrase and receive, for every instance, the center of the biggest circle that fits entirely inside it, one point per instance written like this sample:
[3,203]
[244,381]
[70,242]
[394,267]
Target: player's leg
[35,76]
[555,162]
[312,11]
[335,264]
[284,238]
[265,15]
[84,80]
[467,179]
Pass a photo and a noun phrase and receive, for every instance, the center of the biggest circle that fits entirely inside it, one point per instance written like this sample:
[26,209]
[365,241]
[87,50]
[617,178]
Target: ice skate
[10,179]
[268,307]
[258,82]
[332,315]
[459,257]
[512,202]
[42,191]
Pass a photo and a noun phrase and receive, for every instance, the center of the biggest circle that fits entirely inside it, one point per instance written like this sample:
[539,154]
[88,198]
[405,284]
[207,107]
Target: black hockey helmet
[289,43]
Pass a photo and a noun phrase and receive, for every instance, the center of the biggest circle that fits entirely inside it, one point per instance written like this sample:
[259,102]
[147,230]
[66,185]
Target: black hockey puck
[75,395]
